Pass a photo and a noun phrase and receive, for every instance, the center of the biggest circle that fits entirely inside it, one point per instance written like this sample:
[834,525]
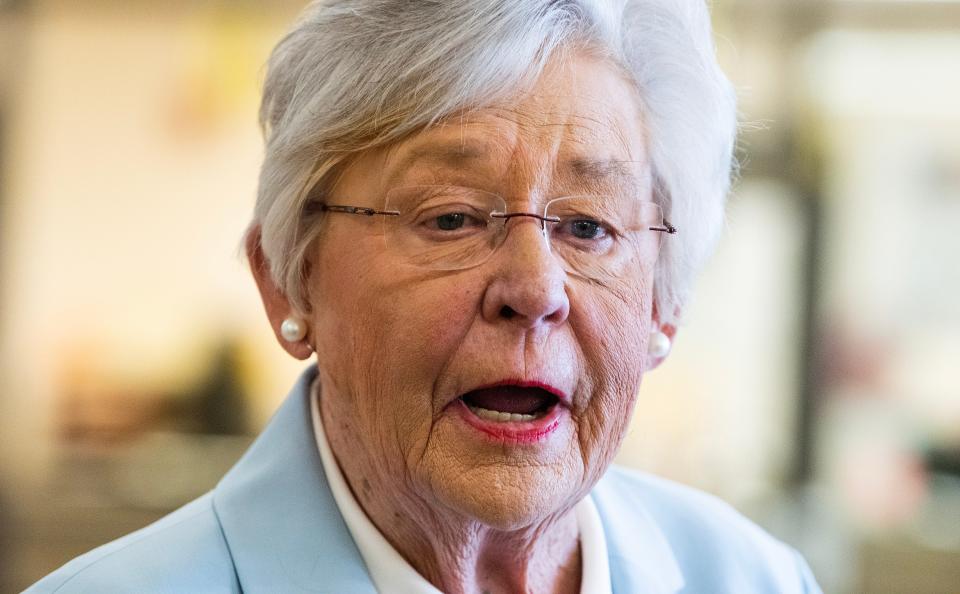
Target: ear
[669,329]
[274,300]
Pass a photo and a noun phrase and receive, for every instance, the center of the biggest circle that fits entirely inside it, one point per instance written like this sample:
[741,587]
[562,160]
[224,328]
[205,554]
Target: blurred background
[815,384]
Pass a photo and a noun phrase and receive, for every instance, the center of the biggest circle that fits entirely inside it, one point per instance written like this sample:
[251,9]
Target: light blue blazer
[271,526]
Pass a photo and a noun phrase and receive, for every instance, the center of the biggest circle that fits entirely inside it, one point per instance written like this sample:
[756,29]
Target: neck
[458,554]
[470,558]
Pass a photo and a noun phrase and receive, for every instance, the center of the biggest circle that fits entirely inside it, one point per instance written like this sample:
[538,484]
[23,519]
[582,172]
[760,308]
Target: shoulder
[182,552]
[711,542]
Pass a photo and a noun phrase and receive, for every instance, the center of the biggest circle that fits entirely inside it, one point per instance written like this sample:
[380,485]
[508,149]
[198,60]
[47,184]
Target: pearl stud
[659,345]
[293,329]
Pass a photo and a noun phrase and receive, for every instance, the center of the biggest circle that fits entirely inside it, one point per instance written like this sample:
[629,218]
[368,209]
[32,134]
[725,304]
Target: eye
[451,221]
[586,229]
[585,234]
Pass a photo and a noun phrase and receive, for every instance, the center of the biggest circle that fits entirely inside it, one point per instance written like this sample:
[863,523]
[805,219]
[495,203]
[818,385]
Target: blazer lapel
[279,518]
[641,559]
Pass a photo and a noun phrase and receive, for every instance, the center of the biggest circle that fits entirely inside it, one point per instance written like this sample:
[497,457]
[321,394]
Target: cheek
[371,314]
[613,330]
[385,340]
[614,325]
[424,322]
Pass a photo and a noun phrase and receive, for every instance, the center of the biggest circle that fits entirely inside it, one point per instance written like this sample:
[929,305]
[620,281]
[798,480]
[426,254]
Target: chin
[508,498]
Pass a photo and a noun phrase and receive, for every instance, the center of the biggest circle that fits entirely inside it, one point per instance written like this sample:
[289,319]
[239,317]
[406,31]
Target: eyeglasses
[454,228]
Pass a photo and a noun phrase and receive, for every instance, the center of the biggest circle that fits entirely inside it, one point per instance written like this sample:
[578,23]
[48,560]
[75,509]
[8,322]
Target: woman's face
[403,351]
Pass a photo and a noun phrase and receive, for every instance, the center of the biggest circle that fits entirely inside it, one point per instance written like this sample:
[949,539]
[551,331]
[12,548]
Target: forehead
[582,121]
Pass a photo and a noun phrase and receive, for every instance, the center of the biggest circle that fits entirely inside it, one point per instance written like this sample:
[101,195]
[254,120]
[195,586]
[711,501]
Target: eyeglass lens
[455,227]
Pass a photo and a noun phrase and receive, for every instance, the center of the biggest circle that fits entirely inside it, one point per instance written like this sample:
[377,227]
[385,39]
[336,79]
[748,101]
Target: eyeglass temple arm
[666,228]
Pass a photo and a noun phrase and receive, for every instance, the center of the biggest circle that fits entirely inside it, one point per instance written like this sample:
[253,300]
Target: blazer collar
[285,532]
[279,519]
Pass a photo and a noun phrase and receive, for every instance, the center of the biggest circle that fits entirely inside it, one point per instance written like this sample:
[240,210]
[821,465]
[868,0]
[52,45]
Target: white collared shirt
[391,574]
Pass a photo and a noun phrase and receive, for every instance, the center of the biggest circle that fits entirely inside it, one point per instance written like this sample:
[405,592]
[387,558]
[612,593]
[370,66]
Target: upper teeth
[500,417]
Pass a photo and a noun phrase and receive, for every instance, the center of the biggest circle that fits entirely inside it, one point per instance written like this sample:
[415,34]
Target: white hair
[357,74]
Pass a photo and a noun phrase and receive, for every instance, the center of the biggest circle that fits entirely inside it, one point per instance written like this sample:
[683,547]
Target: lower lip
[522,432]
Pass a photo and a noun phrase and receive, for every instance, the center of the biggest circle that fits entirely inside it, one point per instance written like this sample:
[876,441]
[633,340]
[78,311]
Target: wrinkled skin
[395,344]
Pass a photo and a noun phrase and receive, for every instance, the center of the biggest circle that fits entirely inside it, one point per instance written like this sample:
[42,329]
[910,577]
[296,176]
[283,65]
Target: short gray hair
[353,75]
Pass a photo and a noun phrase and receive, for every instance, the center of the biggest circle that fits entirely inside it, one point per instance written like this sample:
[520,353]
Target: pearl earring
[293,329]
[659,345]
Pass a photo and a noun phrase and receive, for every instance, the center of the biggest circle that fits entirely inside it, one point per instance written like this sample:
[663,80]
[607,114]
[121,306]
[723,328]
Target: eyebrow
[450,151]
[583,171]
[594,172]
[452,154]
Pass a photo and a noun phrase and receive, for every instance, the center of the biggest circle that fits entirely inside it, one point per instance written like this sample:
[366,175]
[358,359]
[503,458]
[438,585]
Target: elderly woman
[484,217]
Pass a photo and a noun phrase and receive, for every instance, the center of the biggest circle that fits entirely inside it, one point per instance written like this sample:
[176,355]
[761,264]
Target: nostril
[507,312]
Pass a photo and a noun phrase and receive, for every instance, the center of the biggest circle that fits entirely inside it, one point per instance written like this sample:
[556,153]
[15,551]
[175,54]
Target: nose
[528,286]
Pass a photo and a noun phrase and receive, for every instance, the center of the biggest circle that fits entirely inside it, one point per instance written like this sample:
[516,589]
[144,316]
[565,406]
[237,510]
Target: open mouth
[510,403]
